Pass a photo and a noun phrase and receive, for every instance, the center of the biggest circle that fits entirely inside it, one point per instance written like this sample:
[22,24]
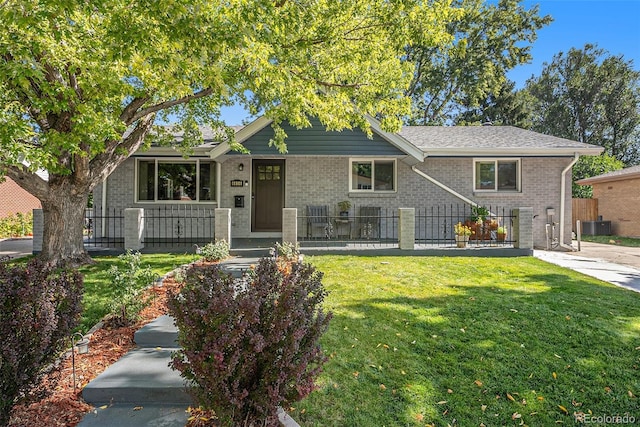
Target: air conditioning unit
[596,228]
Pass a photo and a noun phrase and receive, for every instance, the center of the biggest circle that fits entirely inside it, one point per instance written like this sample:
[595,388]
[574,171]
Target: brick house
[419,167]
[618,199]
[14,199]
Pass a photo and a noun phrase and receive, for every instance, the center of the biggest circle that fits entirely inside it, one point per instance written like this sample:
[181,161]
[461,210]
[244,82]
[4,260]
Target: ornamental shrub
[16,225]
[129,281]
[250,345]
[39,308]
[215,251]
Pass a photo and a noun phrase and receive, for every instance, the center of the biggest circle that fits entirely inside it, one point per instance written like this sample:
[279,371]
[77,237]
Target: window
[373,175]
[497,175]
[176,180]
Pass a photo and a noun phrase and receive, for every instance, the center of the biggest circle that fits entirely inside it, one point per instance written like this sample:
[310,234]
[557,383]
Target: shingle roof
[627,173]
[462,139]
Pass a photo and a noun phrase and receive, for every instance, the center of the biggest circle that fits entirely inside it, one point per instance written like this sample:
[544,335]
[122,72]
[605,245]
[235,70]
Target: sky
[614,25]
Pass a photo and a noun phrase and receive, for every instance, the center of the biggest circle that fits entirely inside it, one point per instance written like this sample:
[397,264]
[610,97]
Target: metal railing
[103,229]
[361,225]
[435,226]
[178,226]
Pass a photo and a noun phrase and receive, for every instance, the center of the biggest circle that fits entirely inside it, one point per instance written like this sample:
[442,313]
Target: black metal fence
[178,226]
[361,225]
[104,229]
[489,225]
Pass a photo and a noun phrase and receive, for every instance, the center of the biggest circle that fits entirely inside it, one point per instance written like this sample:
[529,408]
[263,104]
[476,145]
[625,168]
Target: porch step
[162,332]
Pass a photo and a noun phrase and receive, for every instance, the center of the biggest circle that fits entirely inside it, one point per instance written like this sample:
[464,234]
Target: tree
[83,83]
[487,41]
[592,97]
[588,166]
[507,107]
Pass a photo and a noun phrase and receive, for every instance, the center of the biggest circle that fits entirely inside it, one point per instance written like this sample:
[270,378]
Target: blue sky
[614,25]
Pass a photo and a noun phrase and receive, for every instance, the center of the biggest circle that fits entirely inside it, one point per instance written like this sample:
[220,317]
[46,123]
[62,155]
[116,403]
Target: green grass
[98,291]
[423,340]
[612,240]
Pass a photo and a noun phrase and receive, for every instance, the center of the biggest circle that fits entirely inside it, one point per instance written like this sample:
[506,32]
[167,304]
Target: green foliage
[478,213]
[250,347]
[287,252]
[17,225]
[612,240]
[39,308]
[88,81]
[590,96]
[589,166]
[487,40]
[128,280]
[215,251]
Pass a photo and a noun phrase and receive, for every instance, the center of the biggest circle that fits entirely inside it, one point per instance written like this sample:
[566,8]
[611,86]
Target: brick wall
[14,199]
[325,181]
[619,202]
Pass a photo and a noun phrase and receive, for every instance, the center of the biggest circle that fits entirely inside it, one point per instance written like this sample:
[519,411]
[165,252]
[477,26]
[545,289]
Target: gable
[317,141]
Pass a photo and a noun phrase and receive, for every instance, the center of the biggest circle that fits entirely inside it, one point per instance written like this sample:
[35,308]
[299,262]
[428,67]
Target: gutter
[563,190]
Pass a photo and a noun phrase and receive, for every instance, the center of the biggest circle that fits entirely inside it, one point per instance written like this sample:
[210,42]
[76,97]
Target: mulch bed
[61,405]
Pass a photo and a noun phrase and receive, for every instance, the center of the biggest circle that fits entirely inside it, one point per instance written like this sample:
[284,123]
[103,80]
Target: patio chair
[370,222]
[318,222]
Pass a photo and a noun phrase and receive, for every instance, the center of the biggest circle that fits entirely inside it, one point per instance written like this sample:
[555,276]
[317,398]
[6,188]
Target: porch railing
[103,229]
[178,226]
[435,225]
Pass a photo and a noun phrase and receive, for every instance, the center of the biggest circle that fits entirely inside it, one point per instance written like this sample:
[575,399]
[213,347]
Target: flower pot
[461,241]
[501,237]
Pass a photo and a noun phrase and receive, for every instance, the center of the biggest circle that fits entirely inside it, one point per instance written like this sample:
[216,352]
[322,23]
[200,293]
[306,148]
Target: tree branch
[168,104]
[29,181]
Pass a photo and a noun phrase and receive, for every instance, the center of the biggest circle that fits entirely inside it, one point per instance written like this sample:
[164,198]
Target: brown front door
[268,195]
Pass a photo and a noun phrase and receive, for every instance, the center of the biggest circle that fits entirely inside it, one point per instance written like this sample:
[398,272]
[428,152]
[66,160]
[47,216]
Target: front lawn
[421,341]
[98,291]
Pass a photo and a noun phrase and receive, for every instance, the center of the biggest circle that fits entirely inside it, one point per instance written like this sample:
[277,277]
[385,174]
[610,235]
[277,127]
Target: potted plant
[479,214]
[501,234]
[462,233]
[344,207]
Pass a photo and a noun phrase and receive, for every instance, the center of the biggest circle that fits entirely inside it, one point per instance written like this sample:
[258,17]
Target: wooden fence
[583,210]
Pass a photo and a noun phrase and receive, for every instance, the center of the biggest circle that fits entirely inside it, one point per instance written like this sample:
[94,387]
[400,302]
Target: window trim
[373,160]
[497,160]
[174,160]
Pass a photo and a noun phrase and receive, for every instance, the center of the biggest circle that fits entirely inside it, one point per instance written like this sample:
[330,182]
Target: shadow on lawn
[549,336]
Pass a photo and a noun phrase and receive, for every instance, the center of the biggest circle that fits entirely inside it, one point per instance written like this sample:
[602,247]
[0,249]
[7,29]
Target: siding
[317,141]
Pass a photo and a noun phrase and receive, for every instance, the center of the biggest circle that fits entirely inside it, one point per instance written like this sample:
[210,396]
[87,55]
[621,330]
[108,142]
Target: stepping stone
[126,415]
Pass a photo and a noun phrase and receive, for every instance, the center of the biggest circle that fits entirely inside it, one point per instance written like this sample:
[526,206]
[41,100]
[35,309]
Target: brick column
[133,228]
[290,226]
[38,230]
[523,228]
[407,228]
[223,225]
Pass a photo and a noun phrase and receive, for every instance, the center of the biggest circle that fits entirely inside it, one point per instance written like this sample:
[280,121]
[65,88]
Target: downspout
[563,190]
[218,183]
[445,188]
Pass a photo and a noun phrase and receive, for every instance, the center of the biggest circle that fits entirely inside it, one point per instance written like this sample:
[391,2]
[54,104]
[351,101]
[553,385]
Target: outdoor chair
[370,222]
[318,222]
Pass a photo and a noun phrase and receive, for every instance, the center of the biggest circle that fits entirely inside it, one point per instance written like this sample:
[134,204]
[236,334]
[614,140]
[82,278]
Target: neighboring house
[618,195]
[419,167]
[14,199]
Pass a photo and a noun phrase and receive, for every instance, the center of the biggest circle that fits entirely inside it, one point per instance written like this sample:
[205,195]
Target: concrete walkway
[620,275]
[140,389]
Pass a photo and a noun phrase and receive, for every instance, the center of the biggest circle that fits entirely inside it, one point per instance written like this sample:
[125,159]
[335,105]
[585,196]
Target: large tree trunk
[63,210]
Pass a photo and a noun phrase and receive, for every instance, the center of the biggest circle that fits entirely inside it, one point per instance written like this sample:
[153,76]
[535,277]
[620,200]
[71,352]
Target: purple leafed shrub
[248,351]
[39,307]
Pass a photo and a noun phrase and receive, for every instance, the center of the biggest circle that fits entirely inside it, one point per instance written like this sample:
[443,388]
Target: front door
[268,195]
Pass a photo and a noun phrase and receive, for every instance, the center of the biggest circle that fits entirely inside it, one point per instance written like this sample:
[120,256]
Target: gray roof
[474,139]
[627,173]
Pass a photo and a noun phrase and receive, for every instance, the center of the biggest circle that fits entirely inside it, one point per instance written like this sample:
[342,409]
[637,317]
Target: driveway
[618,265]
[623,255]
[16,248]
